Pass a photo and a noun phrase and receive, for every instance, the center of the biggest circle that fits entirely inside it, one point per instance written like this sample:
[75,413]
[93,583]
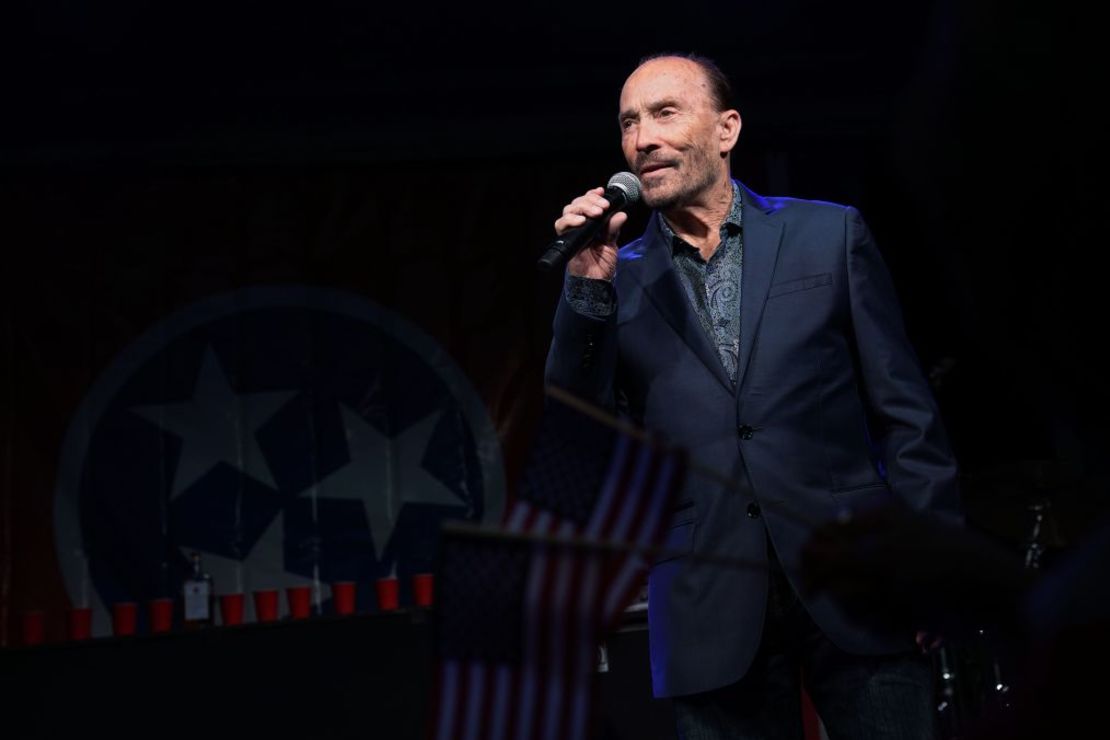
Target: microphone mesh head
[627,182]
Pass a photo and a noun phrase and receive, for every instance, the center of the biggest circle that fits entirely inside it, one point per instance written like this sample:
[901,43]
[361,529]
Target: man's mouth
[647,169]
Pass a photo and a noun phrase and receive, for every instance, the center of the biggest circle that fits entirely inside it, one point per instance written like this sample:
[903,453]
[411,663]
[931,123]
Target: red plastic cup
[231,609]
[343,597]
[34,627]
[266,605]
[79,623]
[423,589]
[387,593]
[300,601]
[124,618]
[161,615]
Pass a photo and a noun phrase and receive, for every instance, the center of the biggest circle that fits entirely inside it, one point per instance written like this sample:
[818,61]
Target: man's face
[671,132]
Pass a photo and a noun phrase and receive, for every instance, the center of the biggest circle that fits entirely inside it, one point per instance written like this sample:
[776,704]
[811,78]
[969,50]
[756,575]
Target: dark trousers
[857,697]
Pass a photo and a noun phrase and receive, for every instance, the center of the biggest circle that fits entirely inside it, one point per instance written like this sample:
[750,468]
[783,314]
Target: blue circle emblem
[290,435]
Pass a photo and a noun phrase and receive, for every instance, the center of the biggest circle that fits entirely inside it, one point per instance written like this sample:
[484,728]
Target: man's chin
[661,200]
[659,197]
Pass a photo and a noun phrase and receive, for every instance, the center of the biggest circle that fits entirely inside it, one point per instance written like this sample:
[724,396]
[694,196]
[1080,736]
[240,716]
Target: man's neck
[699,224]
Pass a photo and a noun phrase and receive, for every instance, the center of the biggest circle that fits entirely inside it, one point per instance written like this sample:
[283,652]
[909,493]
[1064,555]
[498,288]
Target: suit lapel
[662,286]
[762,236]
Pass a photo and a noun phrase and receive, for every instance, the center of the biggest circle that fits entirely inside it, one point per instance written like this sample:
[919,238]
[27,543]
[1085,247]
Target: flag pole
[604,417]
[474,530]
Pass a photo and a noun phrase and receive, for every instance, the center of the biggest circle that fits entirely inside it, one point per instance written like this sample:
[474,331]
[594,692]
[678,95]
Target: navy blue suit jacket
[830,410]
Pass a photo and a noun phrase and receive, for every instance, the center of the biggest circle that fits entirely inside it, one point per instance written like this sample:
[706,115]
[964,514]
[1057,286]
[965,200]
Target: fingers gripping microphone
[622,191]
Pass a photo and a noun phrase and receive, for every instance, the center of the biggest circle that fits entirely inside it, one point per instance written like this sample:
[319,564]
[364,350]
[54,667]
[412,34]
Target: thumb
[613,228]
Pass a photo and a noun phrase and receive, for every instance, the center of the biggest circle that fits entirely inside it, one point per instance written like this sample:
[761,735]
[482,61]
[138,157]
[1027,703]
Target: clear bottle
[198,596]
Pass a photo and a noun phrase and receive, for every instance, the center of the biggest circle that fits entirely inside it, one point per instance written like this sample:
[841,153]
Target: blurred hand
[927,641]
[892,568]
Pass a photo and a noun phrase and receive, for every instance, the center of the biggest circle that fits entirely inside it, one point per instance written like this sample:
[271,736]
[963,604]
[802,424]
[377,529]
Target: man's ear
[728,127]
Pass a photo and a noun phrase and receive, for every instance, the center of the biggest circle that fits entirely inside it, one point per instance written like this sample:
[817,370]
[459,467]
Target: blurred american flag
[521,616]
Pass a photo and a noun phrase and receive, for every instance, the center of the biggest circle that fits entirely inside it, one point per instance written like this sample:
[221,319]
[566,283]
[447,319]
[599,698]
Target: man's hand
[599,260]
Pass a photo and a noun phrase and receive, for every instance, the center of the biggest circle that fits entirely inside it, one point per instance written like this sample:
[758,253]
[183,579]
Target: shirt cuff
[591,297]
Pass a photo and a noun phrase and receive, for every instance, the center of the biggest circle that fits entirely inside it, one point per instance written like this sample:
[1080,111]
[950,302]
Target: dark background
[416,154]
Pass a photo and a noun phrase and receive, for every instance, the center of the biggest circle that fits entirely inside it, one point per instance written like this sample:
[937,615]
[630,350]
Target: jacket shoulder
[787,207]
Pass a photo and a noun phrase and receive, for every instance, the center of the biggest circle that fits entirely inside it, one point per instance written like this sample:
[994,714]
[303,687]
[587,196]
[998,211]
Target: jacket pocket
[866,496]
[677,542]
[803,283]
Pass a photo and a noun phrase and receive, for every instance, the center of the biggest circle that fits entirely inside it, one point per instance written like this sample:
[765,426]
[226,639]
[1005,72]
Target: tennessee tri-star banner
[289,435]
[296,373]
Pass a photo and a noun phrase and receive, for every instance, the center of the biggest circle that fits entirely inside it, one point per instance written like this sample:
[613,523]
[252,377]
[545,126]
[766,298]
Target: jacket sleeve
[583,354]
[920,466]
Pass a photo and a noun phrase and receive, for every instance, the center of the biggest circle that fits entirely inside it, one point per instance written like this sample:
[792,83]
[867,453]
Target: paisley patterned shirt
[713,286]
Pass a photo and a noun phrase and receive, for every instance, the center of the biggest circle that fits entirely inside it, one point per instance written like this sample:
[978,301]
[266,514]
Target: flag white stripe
[556,646]
[450,694]
[502,689]
[476,694]
[518,517]
[586,652]
[536,584]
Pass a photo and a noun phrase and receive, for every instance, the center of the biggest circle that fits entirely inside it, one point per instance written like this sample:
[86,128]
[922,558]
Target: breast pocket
[803,283]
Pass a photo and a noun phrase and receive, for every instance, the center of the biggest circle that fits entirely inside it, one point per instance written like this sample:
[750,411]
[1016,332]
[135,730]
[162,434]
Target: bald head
[719,86]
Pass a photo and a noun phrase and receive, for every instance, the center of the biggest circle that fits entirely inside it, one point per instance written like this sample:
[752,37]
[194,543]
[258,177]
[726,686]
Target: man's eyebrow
[665,103]
[652,107]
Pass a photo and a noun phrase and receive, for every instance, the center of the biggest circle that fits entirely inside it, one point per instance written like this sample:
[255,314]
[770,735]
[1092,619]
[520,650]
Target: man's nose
[646,137]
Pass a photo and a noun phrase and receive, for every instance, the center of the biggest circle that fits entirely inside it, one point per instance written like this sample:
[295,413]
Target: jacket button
[753,510]
[746,431]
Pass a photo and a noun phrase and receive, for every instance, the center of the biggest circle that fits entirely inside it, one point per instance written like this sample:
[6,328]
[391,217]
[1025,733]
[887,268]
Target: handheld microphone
[622,191]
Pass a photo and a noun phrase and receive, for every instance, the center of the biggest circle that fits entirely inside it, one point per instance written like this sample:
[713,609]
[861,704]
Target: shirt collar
[733,223]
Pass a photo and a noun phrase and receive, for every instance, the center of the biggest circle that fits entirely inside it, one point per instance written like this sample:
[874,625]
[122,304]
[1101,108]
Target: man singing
[764,336]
